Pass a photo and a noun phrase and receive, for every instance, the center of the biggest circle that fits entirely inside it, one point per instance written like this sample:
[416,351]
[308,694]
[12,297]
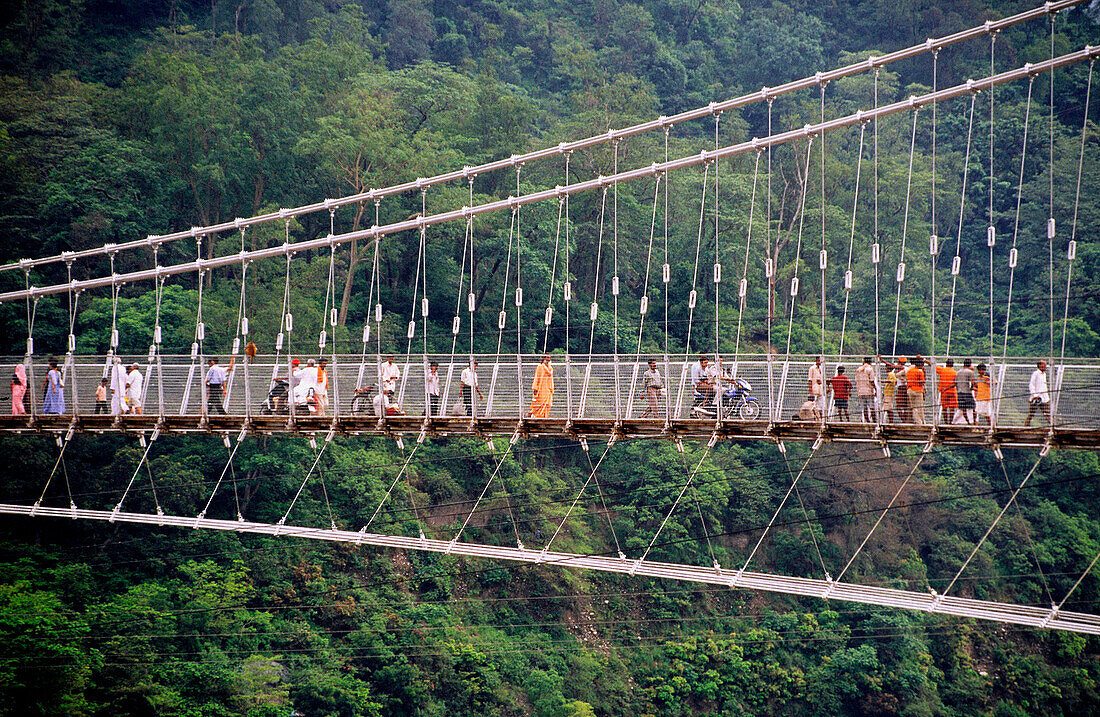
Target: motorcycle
[736,402]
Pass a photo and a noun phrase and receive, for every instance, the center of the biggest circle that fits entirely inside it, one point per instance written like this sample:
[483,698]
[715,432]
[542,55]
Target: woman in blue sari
[54,400]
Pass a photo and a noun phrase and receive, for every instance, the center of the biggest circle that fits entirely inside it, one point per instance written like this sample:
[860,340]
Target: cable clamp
[928,446]
[997,452]
[717,568]
[1054,609]
[584,445]
[1045,449]
[713,440]
[817,443]
[634,568]
[680,446]
[422,436]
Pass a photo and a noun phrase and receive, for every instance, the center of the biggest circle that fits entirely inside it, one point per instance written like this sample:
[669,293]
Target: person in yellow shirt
[543,389]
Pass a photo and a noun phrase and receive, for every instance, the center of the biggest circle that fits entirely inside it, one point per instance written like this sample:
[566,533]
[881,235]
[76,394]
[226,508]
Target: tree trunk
[353,263]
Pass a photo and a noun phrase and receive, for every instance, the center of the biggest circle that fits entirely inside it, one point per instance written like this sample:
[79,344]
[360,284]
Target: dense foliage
[121,119]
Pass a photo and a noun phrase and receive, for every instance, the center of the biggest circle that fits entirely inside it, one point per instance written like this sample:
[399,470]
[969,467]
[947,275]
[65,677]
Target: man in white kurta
[135,383]
[118,388]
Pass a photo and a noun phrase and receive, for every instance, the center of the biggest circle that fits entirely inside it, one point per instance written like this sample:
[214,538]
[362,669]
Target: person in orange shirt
[914,384]
[949,396]
[543,389]
[983,396]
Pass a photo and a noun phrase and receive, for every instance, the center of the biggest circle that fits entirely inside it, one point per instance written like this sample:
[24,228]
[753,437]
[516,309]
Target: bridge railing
[589,387]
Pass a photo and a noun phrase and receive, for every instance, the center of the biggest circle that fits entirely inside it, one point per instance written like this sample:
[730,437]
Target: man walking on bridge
[1039,401]
[216,376]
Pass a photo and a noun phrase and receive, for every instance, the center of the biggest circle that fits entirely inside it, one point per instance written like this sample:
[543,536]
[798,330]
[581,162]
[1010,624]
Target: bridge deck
[686,429]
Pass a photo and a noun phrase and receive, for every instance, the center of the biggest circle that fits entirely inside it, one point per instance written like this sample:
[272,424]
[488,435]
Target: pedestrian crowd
[900,393]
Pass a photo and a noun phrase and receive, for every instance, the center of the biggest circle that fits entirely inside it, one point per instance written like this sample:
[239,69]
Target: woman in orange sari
[543,389]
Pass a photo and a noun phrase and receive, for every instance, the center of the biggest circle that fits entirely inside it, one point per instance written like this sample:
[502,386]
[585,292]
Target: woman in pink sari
[18,390]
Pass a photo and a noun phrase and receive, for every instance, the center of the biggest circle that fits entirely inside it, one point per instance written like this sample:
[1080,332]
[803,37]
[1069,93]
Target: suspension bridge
[645,381]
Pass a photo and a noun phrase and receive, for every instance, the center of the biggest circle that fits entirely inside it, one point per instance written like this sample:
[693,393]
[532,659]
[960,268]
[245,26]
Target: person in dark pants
[432,388]
[216,377]
[469,385]
[101,397]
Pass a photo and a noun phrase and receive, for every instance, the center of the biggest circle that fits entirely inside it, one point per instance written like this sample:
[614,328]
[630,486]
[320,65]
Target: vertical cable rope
[933,240]
[1072,248]
[1016,226]
[692,297]
[457,321]
[717,266]
[876,247]
[416,282]
[805,179]
[851,239]
[956,263]
[1050,220]
[823,256]
[905,231]
[742,290]
[595,308]
[553,278]
[991,231]
[503,316]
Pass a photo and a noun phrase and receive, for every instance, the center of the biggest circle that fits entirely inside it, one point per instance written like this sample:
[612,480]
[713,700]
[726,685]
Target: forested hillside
[121,119]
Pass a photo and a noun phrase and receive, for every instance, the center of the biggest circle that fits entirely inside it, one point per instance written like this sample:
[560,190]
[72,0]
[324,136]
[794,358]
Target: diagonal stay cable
[396,478]
[977,546]
[228,463]
[62,443]
[676,503]
[148,445]
[779,508]
[606,512]
[912,471]
[580,494]
[316,460]
[496,471]
[806,515]
[702,521]
[1030,542]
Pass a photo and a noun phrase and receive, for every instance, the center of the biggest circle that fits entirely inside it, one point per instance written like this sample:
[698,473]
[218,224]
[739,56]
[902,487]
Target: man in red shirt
[841,388]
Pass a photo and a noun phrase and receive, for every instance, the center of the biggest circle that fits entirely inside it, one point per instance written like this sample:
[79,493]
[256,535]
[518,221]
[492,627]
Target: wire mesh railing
[599,387]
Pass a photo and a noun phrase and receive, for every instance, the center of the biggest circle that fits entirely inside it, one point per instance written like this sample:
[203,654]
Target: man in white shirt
[817,384]
[469,385]
[431,387]
[703,382]
[216,376]
[1039,400]
[118,388]
[134,384]
[389,374]
[653,383]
